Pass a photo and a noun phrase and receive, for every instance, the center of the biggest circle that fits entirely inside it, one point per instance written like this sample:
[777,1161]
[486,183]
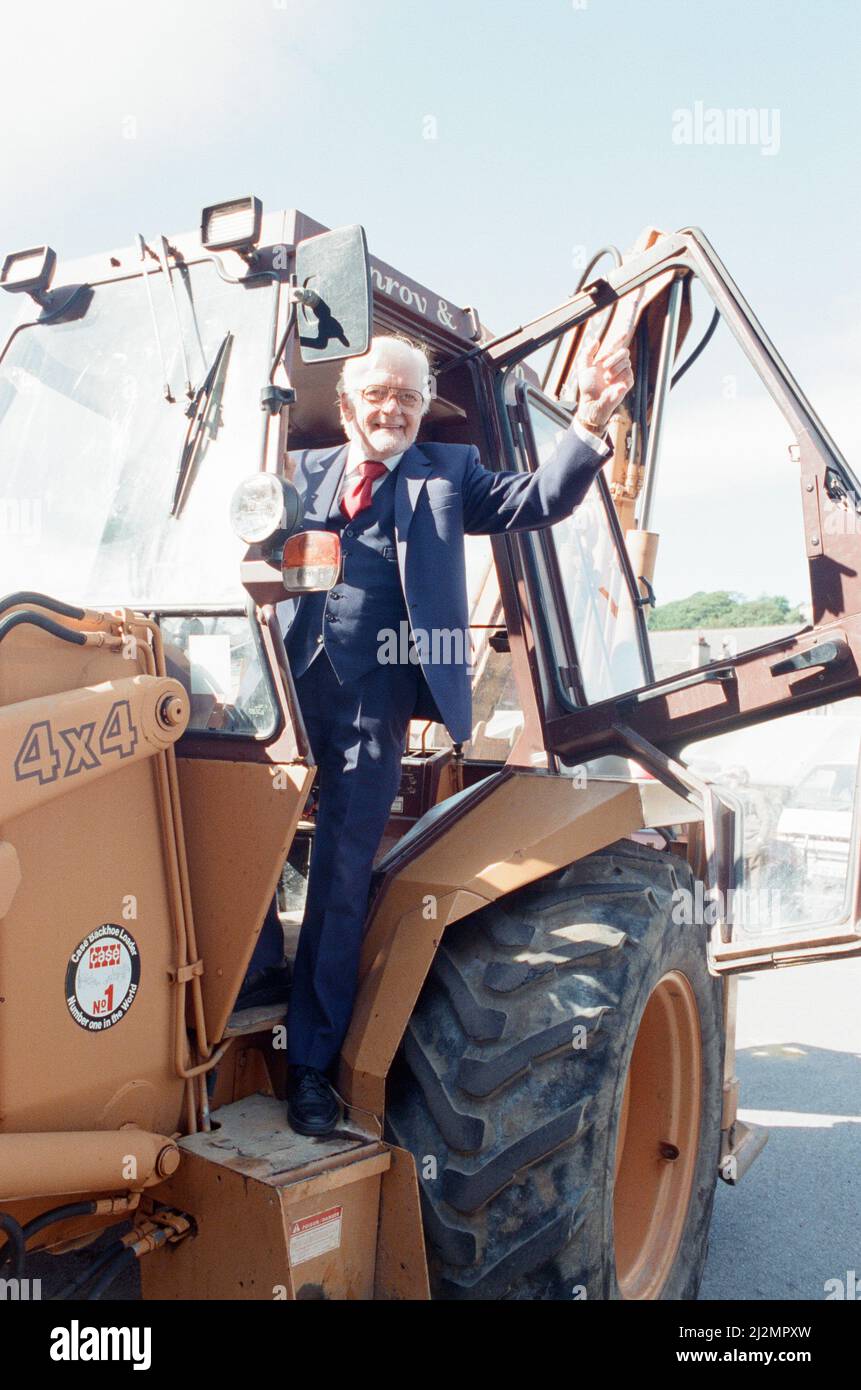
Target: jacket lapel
[323,484]
[324,479]
[412,474]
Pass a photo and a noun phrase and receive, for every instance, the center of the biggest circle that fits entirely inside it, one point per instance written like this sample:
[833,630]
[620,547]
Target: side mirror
[333,291]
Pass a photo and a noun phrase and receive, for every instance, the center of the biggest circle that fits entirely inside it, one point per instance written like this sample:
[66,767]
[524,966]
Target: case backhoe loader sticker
[48,754]
[102,978]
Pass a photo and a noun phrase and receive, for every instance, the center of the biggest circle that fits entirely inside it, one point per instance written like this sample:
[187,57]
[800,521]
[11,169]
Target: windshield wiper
[198,412]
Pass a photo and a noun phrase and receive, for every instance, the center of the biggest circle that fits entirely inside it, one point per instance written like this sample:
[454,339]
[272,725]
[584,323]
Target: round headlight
[262,505]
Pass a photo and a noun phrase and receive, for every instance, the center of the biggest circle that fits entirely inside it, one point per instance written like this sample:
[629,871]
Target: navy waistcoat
[366,601]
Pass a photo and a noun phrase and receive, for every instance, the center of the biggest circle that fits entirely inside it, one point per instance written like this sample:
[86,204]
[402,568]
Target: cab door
[731,668]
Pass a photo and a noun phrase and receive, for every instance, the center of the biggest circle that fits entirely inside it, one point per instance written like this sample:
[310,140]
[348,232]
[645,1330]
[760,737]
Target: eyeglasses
[378,395]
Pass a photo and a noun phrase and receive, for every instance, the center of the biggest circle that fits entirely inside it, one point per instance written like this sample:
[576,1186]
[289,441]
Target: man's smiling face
[386,428]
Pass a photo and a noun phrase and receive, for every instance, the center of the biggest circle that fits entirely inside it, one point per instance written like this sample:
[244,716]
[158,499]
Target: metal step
[259,1020]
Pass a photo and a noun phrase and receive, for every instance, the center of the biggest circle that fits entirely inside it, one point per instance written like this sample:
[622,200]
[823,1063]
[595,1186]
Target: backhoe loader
[539,1078]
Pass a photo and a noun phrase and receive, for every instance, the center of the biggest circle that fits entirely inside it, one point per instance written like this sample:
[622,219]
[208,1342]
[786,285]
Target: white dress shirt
[356,456]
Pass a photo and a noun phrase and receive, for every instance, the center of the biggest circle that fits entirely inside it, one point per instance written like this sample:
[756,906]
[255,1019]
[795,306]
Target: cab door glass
[795,782]
[731,570]
[597,594]
[724,503]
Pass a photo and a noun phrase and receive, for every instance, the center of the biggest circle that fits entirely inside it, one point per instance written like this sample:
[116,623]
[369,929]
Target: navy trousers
[357,733]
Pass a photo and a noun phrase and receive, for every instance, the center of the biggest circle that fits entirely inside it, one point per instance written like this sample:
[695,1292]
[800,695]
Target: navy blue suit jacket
[443,493]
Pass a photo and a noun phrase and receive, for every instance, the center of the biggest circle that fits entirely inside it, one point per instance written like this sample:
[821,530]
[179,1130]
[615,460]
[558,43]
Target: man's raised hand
[603,382]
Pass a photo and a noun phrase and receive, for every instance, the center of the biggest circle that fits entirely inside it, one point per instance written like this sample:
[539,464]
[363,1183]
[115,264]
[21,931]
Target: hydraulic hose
[48,1218]
[104,1257]
[14,1246]
[37,620]
[120,1261]
[53,605]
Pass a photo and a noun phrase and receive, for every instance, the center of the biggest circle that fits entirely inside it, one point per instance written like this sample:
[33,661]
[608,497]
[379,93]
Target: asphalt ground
[793,1222]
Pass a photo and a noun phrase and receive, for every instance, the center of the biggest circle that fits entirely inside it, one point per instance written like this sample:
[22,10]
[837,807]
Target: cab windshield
[90,448]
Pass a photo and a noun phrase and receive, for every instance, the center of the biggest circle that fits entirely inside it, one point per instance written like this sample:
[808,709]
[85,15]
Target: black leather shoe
[312,1107]
[269,986]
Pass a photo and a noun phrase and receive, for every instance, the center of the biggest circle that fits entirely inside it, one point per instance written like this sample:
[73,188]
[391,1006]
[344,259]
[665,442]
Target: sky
[487,146]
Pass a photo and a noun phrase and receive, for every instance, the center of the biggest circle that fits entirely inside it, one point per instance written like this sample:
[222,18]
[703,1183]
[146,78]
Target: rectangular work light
[233,226]
[30,271]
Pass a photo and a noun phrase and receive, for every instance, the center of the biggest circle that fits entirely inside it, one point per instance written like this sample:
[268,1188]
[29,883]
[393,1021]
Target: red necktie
[358,497]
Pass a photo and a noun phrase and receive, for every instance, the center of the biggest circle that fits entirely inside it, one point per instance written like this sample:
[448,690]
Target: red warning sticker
[102,978]
[315,1235]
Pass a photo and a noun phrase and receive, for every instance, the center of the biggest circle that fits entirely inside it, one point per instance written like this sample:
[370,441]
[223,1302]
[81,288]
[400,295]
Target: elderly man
[401,510]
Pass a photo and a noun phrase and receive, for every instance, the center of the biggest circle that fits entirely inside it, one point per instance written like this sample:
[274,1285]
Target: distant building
[684,649]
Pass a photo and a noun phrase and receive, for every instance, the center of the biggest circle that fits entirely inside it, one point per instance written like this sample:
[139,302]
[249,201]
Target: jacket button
[319,641]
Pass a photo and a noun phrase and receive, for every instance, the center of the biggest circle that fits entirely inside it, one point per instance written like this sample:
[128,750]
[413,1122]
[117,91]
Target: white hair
[381,341]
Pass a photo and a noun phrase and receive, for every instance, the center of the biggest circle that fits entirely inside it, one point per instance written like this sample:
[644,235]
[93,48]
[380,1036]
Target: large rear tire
[560,1087]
